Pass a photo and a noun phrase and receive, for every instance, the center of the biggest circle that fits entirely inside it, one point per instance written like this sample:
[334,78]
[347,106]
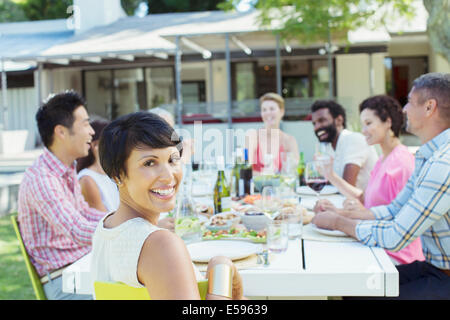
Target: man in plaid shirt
[422,208]
[55,222]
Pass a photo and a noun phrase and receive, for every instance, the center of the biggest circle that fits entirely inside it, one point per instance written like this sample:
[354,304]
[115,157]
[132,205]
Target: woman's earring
[119,183]
[391,133]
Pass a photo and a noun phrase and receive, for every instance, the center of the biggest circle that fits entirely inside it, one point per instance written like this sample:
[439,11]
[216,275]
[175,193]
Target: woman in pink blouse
[382,119]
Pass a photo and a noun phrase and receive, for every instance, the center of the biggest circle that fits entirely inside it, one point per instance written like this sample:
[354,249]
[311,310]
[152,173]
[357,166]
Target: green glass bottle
[236,175]
[222,195]
[301,170]
[247,175]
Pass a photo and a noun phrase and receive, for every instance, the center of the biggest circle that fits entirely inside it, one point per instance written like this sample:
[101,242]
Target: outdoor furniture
[120,291]
[329,269]
[309,268]
[34,277]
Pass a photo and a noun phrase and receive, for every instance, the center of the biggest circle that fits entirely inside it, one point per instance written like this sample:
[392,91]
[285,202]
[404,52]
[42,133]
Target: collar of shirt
[427,150]
[55,164]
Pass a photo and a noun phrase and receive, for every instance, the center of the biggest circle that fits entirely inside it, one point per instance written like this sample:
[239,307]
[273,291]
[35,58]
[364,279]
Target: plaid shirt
[421,209]
[55,221]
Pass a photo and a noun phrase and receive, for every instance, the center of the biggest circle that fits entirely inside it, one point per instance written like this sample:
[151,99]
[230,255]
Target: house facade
[208,66]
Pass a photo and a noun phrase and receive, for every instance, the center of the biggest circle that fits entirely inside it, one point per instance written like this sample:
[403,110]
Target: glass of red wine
[314,179]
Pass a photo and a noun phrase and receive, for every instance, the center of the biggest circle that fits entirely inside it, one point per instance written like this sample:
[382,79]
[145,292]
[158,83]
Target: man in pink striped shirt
[55,221]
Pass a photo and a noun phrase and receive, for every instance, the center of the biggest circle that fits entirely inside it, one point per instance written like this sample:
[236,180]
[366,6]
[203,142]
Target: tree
[165,6]
[312,21]
[438,25]
[45,9]
[11,11]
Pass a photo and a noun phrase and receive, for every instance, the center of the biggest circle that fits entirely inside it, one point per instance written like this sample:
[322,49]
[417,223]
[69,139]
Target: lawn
[14,281]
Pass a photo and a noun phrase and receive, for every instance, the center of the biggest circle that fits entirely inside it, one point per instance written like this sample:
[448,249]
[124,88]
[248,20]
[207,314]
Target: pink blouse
[387,179]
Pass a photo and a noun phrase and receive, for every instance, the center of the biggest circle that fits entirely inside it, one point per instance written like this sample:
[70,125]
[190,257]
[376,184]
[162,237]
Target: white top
[352,148]
[115,251]
[108,189]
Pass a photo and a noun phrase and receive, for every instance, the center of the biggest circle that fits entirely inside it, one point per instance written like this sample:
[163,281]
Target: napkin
[310,234]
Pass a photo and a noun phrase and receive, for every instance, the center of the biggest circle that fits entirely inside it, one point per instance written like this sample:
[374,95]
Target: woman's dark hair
[333,107]
[131,131]
[57,110]
[98,124]
[385,107]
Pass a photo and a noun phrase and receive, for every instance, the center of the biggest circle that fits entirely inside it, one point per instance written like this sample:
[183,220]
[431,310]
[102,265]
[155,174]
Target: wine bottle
[222,196]
[246,175]
[301,170]
[237,182]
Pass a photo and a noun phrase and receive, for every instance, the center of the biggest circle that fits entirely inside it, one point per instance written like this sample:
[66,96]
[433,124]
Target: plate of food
[327,232]
[223,221]
[205,250]
[241,234]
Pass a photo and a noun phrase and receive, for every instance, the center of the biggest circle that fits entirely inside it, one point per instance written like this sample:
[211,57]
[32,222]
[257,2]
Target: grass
[14,281]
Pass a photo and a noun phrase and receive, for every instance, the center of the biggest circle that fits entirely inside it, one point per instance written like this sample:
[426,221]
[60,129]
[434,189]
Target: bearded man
[353,157]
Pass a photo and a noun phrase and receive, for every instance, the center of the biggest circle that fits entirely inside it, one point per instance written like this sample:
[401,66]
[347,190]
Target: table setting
[270,238]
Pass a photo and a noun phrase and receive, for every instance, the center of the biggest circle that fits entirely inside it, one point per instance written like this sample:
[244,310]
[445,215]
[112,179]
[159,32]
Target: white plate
[328,189]
[203,251]
[335,233]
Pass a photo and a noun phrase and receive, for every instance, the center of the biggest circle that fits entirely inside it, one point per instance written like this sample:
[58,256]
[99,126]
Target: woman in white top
[99,191]
[142,153]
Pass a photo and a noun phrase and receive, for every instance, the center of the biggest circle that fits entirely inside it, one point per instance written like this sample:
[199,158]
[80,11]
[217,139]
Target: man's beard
[331,131]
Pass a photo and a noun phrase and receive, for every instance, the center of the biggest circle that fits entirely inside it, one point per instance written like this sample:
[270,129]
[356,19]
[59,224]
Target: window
[193,91]
[129,91]
[400,74]
[244,81]
[99,92]
[160,86]
[320,79]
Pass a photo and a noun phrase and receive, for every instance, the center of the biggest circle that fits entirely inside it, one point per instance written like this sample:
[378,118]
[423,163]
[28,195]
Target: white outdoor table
[331,269]
[316,269]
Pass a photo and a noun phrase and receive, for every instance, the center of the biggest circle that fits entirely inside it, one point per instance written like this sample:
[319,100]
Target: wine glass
[314,179]
[270,202]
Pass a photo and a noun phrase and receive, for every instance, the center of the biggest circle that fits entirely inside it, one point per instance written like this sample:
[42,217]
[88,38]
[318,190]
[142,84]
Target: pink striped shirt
[55,221]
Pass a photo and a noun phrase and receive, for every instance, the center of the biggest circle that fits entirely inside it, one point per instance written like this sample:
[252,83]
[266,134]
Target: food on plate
[218,221]
[250,199]
[236,234]
[290,210]
[204,209]
[243,208]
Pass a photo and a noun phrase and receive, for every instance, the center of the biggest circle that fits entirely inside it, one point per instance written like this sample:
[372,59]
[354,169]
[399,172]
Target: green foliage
[438,25]
[313,20]
[130,6]
[14,281]
[11,11]
[45,9]
[166,6]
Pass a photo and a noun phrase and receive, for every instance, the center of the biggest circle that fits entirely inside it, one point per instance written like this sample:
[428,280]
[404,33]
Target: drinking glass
[314,179]
[187,222]
[288,174]
[277,236]
[206,177]
[291,211]
[269,200]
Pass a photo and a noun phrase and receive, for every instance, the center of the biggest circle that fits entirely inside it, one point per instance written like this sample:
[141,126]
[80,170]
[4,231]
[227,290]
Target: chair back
[120,291]
[34,277]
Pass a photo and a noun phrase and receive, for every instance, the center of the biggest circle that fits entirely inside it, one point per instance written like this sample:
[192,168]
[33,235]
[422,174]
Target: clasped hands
[326,213]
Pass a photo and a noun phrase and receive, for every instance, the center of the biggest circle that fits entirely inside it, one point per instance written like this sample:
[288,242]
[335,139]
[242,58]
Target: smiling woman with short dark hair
[142,153]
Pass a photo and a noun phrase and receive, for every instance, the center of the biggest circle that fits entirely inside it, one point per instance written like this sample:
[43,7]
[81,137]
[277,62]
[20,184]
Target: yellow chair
[120,291]
[34,277]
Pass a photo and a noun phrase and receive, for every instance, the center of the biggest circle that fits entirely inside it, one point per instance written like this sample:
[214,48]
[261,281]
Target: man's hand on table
[324,205]
[334,221]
